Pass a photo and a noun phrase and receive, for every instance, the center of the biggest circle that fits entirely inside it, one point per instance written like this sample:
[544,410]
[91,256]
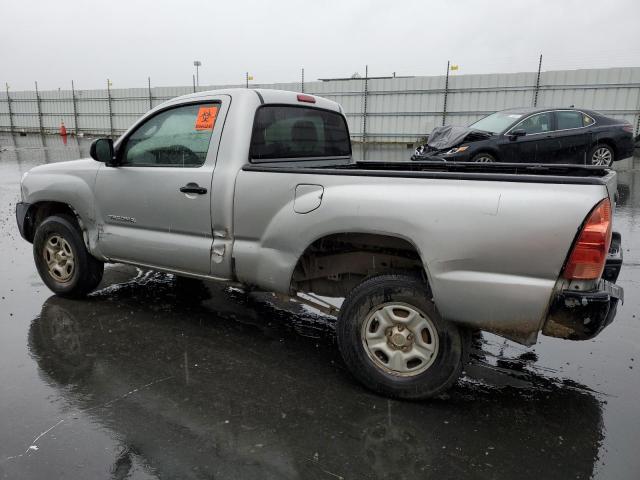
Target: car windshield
[496,122]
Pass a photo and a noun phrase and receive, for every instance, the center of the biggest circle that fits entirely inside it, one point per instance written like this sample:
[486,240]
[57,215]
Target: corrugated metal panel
[398,109]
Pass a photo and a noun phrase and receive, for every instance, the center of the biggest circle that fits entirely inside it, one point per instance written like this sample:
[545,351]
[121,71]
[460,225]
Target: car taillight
[589,252]
[628,128]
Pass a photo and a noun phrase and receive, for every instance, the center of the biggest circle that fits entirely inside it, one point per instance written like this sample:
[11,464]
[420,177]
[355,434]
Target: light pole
[197,63]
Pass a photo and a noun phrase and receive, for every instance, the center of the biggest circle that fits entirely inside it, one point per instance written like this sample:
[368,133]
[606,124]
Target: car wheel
[483,158]
[393,340]
[63,262]
[601,155]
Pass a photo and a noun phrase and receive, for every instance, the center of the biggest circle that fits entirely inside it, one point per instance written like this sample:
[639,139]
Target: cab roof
[264,96]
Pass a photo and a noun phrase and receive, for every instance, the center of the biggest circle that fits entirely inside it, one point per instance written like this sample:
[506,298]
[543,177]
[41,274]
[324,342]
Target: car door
[537,145]
[573,132]
[154,206]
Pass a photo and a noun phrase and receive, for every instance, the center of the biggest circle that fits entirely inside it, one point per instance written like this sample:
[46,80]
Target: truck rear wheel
[393,340]
[63,262]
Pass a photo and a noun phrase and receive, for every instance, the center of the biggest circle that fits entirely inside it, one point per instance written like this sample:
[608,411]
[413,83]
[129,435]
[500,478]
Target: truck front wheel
[64,263]
[393,340]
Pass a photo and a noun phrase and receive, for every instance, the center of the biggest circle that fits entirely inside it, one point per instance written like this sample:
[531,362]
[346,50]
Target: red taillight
[589,253]
[306,98]
[628,128]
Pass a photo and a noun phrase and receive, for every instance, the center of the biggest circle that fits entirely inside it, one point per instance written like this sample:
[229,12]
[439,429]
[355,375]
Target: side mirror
[102,151]
[514,134]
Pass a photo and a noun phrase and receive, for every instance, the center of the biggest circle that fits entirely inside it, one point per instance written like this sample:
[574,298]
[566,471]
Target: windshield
[496,122]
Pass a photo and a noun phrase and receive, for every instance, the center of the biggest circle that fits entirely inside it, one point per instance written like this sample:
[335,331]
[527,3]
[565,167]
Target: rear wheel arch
[334,264]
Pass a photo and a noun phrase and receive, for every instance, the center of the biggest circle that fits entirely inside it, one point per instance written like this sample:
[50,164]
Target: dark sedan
[533,135]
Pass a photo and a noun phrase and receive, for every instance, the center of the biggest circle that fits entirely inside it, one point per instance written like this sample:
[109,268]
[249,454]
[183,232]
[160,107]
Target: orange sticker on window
[206,118]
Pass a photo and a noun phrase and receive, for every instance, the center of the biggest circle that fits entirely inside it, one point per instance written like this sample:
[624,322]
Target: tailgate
[611,182]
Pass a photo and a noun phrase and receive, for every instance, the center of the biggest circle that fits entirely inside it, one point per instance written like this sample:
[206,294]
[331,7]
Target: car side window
[569,119]
[178,137]
[587,120]
[538,123]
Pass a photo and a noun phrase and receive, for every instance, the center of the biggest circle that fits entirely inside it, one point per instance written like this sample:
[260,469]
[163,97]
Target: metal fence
[379,110]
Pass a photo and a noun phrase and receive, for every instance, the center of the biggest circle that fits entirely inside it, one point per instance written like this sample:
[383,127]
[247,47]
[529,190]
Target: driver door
[154,206]
[539,145]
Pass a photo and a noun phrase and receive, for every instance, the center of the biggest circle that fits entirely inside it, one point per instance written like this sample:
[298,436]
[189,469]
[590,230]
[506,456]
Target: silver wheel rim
[483,159]
[400,339]
[59,258]
[602,157]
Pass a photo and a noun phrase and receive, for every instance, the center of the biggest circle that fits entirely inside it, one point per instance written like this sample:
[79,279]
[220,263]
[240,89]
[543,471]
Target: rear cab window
[289,132]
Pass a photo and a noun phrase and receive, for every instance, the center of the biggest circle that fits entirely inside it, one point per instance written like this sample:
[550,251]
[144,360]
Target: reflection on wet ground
[158,377]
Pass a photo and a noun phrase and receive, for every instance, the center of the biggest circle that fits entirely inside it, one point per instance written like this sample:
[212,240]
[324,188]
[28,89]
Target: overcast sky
[54,41]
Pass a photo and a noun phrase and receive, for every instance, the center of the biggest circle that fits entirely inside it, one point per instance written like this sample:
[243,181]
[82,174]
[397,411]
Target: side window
[174,138]
[538,123]
[587,120]
[569,119]
[292,132]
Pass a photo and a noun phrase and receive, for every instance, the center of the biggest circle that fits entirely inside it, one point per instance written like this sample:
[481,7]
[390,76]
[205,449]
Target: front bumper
[430,157]
[442,156]
[22,217]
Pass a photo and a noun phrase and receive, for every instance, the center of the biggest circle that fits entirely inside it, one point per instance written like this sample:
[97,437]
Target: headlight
[457,150]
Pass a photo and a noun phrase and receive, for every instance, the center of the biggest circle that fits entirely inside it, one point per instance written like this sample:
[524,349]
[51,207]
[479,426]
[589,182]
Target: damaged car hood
[450,135]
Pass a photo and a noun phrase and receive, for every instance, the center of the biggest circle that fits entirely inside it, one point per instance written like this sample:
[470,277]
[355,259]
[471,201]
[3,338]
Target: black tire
[86,273]
[602,149]
[484,157]
[369,297]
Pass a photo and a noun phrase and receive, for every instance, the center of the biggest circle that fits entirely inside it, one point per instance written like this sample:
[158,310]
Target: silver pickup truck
[258,187]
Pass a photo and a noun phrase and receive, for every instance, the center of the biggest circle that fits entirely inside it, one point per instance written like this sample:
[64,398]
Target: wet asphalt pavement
[158,377]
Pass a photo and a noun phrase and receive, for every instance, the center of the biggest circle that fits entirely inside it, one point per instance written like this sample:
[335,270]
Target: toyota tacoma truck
[259,188]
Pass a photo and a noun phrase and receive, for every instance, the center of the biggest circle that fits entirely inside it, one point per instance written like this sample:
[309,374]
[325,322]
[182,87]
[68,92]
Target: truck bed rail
[509,172]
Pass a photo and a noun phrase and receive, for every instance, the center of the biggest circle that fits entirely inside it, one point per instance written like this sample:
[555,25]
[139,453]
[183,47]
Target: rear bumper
[578,315]
[625,148]
[22,210]
[581,315]
[614,259]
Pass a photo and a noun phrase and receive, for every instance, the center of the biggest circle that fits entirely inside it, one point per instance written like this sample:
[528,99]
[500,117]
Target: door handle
[193,188]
